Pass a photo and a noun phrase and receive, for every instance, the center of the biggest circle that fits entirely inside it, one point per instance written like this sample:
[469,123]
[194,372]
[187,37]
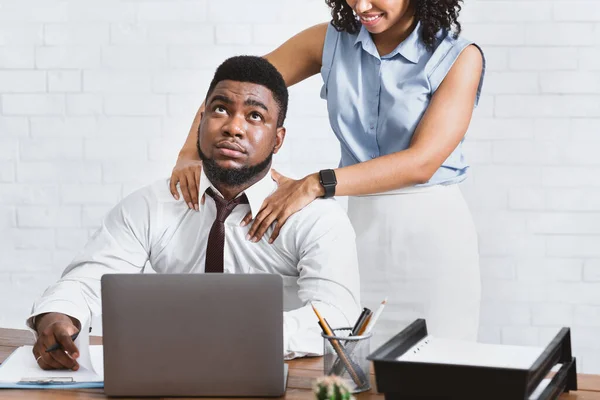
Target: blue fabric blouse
[375,103]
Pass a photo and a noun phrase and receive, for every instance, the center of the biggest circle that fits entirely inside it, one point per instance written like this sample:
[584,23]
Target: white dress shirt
[315,254]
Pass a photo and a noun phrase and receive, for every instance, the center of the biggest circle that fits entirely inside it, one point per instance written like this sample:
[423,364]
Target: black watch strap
[328,181]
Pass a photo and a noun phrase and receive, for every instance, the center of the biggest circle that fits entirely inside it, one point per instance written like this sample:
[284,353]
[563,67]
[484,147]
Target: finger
[262,214]
[64,338]
[193,188]
[202,199]
[197,176]
[57,358]
[246,219]
[46,361]
[173,186]
[183,186]
[278,224]
[264,225]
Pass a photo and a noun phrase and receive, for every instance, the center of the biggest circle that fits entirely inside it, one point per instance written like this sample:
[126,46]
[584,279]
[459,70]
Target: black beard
[233,177]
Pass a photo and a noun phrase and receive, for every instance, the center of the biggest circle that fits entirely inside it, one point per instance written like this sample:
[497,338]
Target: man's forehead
[242,90]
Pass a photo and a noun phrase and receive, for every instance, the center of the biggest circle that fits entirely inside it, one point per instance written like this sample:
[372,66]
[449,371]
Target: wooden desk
[302,373]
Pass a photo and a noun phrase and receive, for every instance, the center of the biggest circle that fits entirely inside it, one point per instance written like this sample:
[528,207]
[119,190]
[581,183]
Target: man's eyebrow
[221,98]
[256,103]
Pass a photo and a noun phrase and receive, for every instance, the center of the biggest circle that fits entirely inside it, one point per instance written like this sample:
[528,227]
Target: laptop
[193,335]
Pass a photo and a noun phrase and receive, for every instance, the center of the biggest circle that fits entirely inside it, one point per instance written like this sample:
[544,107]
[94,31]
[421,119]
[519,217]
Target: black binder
[400,380]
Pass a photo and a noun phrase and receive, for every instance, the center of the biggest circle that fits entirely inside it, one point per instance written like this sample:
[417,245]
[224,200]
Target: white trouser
[419,248]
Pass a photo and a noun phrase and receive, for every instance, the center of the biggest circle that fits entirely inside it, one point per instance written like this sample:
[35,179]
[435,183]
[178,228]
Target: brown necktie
[216,237]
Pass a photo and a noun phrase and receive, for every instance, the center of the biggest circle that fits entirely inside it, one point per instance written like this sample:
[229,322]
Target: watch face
[328,177]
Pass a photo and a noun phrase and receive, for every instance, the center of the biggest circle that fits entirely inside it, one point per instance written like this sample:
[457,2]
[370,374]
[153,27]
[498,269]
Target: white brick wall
[96,98]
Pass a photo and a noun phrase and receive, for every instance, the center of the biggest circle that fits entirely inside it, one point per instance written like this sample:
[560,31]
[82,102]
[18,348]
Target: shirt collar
[411,48]
[256,193]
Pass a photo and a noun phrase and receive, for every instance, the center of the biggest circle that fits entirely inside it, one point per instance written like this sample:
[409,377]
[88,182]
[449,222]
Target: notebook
[21,371]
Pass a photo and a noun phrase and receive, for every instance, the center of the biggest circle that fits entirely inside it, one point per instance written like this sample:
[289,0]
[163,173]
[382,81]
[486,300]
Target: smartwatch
[328,181]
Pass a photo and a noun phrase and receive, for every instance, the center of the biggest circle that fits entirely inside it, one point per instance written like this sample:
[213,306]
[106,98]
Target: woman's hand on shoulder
[187,173]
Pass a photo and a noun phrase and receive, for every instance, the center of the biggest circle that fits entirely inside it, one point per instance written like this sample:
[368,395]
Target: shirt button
[373,156]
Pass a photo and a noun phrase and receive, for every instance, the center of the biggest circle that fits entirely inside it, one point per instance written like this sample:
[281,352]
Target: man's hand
[55,328]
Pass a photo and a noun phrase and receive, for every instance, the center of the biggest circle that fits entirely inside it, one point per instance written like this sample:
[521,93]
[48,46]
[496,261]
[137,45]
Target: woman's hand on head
[290,197]
[187,174]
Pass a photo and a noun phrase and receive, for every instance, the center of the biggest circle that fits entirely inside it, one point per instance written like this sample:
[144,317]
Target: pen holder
[346,356]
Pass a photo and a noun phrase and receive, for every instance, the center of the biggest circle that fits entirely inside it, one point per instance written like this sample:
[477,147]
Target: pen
[339,349]
[56,346]
[360,321]
[376,316]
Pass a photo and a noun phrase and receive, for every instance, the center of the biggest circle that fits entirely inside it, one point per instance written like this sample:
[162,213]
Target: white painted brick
[486,105]
[489,334]
[274,34]
[508,175]
[207,57]
[477,152]
[552,314]
[67,57]
[586,337]
[552,129]
[527,152]
[581,153]
[59,172]
[565,223]
[496,59]
[26,260]
[71,238]
[570,82]
[76,34]
[20,33]
[183,81]
[62,127]
[232,11]
[184,105]
[542,59]
[549,106]
[526,198]
[499,11]
[7,171]
[566,199]
[84,104]
[498,268]
[128,33]
[585,315]
[64,81]
[33,11]
[8,216]
[135,105]
[520,336]
[128,172]
[499,34]
[130,127]
[571,176]
[501,221]
[584,129]
[512,82]
[591,271]
[195,11]
[328,151]
[90,194]
[164,149]
[233,34]
[49,217]
[13,127]
[505,313]
[32,238]
[11,193]
[58,149]
[110,149]
[116,82]
[491,199]
[181,33]
[33,104]
[589,58]
[511,244]
[104,11]
[536,269]
[17,57]
[9,149]
[137,57]
[562,34]
[573,246]
[576,11]
[92,216]
[483,128]
[590,363]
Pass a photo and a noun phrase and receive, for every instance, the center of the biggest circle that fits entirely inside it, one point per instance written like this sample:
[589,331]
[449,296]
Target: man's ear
[279,138]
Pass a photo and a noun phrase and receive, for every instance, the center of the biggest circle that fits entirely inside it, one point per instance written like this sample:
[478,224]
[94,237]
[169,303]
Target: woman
[400,86]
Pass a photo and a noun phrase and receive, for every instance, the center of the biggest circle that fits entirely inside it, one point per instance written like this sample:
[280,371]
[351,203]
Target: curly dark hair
[433,15]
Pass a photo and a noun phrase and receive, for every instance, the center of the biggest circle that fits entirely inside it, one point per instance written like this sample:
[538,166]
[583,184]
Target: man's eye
[256,116]
[220,110]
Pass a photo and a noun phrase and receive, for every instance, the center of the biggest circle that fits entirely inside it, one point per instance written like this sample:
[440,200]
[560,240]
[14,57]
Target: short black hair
[257,70]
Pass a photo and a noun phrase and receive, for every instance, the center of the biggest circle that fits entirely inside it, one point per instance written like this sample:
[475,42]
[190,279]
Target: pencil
[56,346]
[376,316]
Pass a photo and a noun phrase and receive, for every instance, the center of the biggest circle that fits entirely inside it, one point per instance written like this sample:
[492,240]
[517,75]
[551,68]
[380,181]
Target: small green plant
[332,388]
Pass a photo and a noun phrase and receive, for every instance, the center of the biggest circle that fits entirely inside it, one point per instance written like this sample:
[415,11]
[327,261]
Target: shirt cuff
[59,306]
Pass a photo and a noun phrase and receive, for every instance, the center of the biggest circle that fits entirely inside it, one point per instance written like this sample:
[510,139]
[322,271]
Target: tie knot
[224,207]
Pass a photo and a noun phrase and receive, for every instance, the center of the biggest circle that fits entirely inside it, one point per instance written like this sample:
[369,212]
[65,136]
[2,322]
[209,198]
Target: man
[240,130]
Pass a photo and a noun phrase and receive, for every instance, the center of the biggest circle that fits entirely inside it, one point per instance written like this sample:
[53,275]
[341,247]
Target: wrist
[314,185]
[188,155]
[42,321]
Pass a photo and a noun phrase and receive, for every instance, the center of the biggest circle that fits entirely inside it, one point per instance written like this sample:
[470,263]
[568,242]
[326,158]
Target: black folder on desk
[414,365]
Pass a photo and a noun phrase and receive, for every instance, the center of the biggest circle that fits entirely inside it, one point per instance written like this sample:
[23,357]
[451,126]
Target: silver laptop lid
[193,334]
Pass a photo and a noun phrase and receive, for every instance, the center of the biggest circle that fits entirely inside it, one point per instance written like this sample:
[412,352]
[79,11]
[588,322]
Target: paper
[21,366]
[458,352]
